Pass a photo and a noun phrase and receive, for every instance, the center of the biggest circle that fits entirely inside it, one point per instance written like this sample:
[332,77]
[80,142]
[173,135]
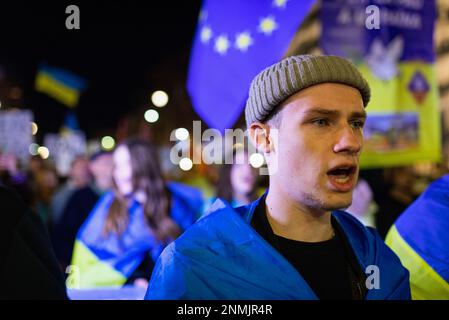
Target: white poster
[63,148]
[15,133]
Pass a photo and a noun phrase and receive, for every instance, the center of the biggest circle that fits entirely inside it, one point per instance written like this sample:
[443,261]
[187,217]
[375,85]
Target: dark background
[124,49]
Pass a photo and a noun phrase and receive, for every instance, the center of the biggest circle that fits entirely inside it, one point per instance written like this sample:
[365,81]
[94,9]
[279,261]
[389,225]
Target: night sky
[124,49]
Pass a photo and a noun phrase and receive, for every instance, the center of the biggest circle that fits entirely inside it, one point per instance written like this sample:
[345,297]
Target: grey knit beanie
[276,83]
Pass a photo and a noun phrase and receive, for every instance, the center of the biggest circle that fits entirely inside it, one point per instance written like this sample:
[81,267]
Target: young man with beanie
[306,114]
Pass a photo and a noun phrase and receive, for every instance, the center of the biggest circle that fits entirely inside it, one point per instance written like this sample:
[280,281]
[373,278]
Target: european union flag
[235,39]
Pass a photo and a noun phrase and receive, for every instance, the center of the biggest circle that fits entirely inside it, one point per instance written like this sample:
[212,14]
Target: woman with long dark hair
[131,225]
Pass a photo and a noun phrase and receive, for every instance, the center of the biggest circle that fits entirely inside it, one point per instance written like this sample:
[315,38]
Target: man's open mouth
[343,173]
[342,177]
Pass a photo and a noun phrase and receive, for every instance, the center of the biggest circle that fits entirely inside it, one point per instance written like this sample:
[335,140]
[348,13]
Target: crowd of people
[116,220]
[113,193]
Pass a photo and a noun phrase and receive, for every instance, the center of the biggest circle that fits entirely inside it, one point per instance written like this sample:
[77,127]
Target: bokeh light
[151,115]
[33,149]
[43,152]
[159,98]
[107,143]
[34,128]
[182,134]
[256,160]
[185,164]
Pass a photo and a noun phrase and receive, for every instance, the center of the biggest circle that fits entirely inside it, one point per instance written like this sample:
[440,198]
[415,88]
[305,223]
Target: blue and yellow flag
[221,257]
[109,260]
[420,237]
[60,84]
[235,40]
[398,60]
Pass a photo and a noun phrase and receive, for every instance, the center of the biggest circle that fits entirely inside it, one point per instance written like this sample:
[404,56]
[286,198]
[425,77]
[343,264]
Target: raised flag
[60,84]
[234,41]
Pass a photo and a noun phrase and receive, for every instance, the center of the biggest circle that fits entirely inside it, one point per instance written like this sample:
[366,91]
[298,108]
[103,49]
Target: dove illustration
[383,60]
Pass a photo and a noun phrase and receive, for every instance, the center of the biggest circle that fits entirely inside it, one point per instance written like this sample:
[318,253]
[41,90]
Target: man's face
[319,144]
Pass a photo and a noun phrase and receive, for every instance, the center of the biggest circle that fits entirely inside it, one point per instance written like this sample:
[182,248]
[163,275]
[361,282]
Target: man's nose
[349,140]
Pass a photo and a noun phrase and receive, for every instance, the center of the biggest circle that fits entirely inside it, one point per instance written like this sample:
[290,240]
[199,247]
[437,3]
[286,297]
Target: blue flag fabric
[234,41]
[424,225]
[222,257]
[71,122]
[110,260]
[420,238]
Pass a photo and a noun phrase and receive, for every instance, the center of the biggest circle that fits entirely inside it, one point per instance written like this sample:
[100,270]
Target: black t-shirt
[329,267]
[143,271]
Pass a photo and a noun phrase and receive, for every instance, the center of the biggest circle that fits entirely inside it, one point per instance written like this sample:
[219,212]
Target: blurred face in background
[101,169]
[46,183]
[8,163]
[36,163]
[123,175]
[243,175]
[79,173]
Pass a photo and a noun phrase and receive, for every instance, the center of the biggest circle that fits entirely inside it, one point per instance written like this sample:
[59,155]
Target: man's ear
[259,134]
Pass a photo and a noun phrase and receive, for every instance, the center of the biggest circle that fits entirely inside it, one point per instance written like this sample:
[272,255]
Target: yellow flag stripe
[45,83]
[425,282]
[91,271]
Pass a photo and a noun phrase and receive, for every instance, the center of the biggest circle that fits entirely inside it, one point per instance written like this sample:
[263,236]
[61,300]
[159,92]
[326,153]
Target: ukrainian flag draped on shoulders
[109,260]
[222,257]
[420,237]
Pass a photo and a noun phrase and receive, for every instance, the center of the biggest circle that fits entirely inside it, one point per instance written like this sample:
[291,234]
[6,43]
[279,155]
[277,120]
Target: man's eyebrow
[332,112]
[359,114]
[321,111]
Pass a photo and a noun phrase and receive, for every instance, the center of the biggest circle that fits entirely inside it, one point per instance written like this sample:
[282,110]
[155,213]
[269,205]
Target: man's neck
[292,220]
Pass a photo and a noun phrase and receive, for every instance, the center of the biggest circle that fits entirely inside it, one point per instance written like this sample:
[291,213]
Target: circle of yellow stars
[243,40]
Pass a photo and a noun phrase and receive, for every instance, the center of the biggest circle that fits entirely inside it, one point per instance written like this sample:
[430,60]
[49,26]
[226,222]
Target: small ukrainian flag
[60,85]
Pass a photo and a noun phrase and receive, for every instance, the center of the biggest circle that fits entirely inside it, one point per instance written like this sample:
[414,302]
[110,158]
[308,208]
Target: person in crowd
[395,195]
[237,181]
[306,114]
[129,226]
[79,177]
[28,267]
[80,204]
[45,185]
[13,177]
[420,238]
[363,206]
[35,164]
